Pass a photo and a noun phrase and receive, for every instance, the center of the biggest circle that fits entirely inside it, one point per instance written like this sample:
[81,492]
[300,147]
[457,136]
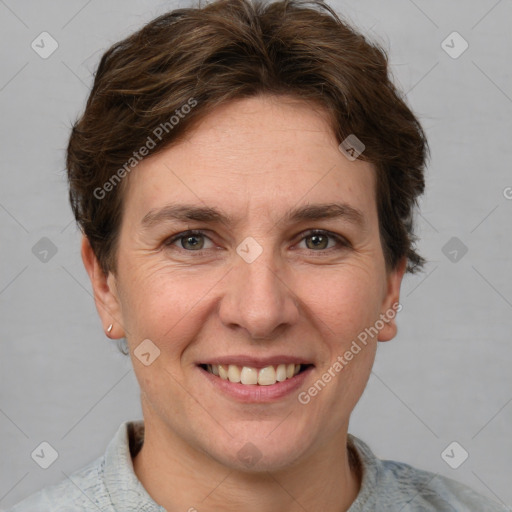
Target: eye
[192,240]
[319,240]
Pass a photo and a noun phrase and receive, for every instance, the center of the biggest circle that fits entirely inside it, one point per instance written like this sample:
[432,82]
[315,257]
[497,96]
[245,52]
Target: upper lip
[255,362]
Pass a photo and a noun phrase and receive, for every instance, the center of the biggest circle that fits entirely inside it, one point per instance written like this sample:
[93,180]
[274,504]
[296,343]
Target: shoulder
[82,491]
[424,490]
[391,485]
[97,486]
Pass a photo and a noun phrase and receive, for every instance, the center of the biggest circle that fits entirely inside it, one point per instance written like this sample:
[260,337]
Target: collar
[124,488]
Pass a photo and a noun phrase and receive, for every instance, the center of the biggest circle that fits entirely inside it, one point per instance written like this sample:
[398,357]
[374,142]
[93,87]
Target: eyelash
[343,243]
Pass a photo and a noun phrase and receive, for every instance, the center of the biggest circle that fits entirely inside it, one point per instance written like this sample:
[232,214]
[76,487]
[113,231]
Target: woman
[244,175]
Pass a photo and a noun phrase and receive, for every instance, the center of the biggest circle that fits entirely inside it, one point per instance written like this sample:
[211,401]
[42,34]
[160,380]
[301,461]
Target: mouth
[252,376]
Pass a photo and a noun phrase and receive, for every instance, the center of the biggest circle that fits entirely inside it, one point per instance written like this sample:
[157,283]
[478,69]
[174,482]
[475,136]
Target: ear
[105,292]
[390,304]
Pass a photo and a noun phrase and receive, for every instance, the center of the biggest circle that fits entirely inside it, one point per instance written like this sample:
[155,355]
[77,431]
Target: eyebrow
[313,212]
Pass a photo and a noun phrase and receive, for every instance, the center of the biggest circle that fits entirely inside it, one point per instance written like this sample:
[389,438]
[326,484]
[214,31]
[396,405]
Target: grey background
[445,377]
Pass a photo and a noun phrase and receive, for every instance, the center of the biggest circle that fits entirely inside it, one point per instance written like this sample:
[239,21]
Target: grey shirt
[109,484]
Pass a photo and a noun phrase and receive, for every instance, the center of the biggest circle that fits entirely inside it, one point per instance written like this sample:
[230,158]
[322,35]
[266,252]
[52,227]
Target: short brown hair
[232,49]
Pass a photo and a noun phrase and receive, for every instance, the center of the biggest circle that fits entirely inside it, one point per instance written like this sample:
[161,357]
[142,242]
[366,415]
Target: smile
[249,375]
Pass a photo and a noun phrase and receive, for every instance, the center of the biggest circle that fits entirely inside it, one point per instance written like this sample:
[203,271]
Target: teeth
[281,373]
[233,373]
[223,372]
[248,375]
[267,376]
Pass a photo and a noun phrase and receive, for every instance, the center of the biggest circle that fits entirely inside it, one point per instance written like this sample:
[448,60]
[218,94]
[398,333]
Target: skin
[254,159]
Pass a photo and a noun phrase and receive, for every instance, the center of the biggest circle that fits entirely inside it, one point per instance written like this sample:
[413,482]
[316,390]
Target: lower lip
[254,393]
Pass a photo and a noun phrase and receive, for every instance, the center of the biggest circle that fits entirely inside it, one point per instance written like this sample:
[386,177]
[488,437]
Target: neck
[179,477]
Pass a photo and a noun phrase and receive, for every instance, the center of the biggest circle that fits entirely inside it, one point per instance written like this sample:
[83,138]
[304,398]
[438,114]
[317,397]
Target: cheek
[163,305]
[349,306]
[344,301]
[161,390]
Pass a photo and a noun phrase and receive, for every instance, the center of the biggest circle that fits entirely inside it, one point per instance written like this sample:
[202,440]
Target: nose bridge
[259,300]
[259,278]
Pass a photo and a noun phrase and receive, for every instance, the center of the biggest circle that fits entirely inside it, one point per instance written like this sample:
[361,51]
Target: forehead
[260,156]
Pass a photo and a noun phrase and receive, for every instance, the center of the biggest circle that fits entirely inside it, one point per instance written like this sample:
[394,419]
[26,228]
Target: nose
[258,299]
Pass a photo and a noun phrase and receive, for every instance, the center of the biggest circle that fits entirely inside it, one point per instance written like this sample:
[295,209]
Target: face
[263,282]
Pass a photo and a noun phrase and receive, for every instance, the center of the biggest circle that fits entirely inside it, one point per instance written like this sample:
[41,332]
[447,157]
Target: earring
[109,328]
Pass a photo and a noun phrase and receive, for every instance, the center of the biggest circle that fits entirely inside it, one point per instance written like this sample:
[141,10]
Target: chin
[251,459]
[259,453]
